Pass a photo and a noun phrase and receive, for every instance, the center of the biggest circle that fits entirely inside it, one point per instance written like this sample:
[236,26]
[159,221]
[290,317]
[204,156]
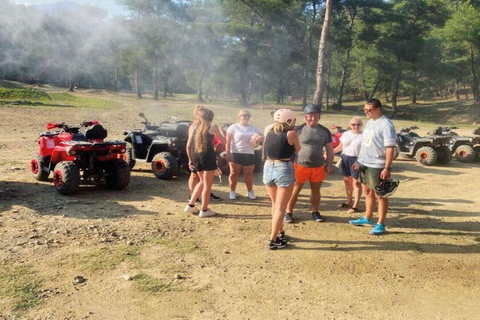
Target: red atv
[336,135]
[67,152]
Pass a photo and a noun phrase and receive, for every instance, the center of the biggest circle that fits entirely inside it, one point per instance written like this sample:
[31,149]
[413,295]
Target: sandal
[344,205]
[353,210]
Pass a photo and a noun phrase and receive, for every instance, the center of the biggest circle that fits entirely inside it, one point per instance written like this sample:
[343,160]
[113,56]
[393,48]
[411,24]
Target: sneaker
[281,236]
[191,209]
[361,222]
[288,218]
[214,197]
[251,195]
[208,213]
[277,244]
[378,229]
[233,195]
[317,217]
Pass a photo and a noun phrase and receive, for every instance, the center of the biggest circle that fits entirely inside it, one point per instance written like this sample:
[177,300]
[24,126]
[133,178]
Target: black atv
[461,147]
[164,146]
[426,150]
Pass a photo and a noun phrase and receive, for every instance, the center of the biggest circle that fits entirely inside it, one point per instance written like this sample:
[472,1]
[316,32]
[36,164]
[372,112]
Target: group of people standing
[295,154]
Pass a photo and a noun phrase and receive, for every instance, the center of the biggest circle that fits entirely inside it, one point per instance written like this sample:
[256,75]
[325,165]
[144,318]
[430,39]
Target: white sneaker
[251,195]
[208,213]
[233,195]
[191,209]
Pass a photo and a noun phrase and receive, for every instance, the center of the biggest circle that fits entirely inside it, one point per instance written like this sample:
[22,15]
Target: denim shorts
[278,174]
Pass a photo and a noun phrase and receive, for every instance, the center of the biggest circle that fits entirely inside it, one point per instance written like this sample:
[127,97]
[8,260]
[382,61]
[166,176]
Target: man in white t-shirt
[375,163]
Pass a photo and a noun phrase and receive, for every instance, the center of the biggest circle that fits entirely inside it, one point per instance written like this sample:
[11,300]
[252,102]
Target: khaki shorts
[369,176]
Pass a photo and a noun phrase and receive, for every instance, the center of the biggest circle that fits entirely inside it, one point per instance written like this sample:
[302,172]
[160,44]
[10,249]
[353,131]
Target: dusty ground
[144,258]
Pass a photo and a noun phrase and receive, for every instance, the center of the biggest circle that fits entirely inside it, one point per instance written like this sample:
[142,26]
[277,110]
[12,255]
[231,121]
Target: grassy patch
[20,285]
[102,259]
[147,283]
[23,94]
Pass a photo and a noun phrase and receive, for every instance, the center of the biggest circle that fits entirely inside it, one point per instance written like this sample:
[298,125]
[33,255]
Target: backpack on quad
[427,151]
[164,146]
[76,157]
[461,147]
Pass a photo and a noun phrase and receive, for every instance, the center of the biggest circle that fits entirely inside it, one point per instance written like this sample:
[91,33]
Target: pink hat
[284,116]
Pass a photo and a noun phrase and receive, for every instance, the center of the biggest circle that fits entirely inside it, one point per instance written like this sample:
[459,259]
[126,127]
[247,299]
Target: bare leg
[197,190]
[369,201]
[347,180]
[234,173]
[206,177]
[293,199]
[357,192]
[382,209]
[248,175]
[315,195]
[282,197]
[192,181]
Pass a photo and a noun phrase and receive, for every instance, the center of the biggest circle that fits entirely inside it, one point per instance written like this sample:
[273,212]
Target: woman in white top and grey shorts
[350,144]
[241,139]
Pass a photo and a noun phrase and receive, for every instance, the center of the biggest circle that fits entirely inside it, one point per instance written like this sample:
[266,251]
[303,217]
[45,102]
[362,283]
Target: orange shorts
[303,174]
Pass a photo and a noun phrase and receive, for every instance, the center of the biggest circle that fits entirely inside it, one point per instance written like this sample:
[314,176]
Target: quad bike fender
[59,153]
[155,148]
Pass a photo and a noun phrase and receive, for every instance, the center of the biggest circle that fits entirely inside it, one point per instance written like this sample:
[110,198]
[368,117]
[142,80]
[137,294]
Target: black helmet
[312,108]
[387,187]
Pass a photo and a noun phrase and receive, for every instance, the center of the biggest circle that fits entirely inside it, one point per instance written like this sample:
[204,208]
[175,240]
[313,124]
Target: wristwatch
[388,168]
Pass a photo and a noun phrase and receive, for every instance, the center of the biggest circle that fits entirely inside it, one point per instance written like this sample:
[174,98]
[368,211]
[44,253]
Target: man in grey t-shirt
[375,159]
[309,163]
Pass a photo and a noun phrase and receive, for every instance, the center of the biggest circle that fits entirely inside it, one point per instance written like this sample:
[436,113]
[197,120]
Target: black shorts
[244,159]
[346,167]
[205,161]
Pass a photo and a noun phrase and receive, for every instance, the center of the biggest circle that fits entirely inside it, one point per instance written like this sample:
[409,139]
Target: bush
[23,94]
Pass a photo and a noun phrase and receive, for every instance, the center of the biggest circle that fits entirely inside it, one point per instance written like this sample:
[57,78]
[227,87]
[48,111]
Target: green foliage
[148,283]
[20,284]
[23,94]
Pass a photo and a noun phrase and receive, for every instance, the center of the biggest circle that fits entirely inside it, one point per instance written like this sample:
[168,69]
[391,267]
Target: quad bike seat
[96,132]
[174,130]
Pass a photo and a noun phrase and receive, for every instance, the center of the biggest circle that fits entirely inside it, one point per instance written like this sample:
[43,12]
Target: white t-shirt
[241,138]
[351,143]
[377,135]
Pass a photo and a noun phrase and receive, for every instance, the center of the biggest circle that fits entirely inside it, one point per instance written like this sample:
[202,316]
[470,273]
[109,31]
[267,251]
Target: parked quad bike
[76,157]
[427,151]
[465,149]
[164,146]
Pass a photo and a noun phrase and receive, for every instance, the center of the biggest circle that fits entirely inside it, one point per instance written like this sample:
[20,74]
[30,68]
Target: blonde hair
[243,111]
[280,127]
[195,112]
[205,118]
[357,119]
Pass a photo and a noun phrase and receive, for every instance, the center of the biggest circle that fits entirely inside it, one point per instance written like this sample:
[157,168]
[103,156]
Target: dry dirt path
[184,267]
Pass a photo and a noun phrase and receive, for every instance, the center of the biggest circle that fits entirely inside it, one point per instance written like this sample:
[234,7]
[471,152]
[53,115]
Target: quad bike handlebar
[409,129]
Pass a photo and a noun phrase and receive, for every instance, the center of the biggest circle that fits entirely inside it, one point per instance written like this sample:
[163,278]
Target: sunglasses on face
[245,115]
[368,110]
[356,124]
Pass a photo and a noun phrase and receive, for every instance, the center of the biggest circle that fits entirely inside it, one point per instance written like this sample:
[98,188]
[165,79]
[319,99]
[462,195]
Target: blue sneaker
[361,222]
[378,229]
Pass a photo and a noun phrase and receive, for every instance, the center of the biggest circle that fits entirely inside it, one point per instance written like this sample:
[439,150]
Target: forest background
[253,51]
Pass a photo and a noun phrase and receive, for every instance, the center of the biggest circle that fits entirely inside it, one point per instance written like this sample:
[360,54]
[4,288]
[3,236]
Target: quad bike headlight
[71,152]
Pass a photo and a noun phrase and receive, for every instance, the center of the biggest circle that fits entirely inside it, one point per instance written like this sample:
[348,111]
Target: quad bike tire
[444,154]
[66,178]
[426,156]
[465,153]
[477,153]
[117,174]
[222,163]
[37,168]
[164,166]
[129,158]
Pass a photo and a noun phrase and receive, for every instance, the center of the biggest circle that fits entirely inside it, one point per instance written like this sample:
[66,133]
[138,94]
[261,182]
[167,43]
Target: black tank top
[277,147]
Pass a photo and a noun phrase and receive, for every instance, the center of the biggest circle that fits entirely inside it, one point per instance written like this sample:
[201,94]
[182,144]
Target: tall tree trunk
[353,15]
[280,91]
[375,88]
[243,82]
[166,87]
[457,89]
[200,83]
[308,56]
[466,91]
[71,80]
[327,95]
[395,93]
[322,48]
[138,89]
[115,79]
[262,88]
[476,95]
[155,78]
[415,85]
